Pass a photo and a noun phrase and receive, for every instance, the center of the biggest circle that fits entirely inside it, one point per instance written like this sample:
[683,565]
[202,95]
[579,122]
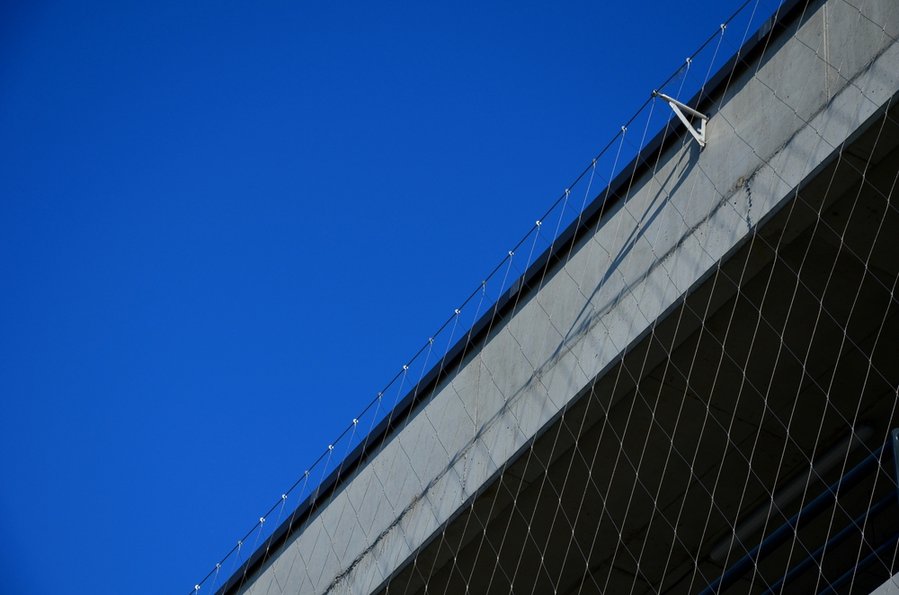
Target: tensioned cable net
[684,377]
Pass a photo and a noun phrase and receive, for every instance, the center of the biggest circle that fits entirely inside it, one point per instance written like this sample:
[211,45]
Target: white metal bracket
[679,109]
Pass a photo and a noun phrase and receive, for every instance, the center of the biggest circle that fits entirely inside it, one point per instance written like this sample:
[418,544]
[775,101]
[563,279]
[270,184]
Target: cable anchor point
[682,110]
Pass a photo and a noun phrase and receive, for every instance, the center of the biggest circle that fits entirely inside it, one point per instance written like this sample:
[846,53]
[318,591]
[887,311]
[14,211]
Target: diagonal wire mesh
[681,378]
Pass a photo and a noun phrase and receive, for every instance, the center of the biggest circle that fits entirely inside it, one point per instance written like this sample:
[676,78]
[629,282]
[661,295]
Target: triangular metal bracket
[679,109]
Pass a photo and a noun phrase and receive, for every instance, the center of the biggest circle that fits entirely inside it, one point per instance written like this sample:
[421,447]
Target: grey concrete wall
[891,587]
[775,125]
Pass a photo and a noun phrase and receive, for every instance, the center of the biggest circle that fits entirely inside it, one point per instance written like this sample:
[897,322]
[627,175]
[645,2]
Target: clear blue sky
[224,226]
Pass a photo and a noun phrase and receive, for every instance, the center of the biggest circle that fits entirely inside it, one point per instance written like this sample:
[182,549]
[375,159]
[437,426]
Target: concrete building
[693,389]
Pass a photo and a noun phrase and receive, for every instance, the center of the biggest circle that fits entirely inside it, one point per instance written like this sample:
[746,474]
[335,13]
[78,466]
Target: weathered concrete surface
[891,587]
[777,122]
